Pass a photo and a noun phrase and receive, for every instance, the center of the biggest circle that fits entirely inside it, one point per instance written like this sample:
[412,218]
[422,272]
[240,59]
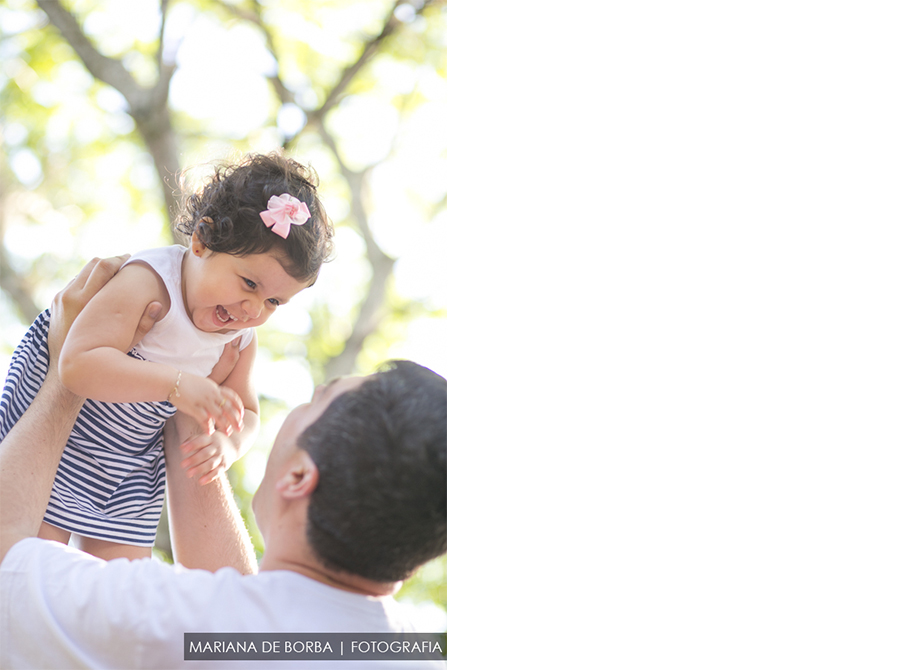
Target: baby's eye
[274,302]
[250,283]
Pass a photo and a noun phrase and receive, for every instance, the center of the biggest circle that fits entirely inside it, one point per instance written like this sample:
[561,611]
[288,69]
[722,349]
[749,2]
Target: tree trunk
[156,129]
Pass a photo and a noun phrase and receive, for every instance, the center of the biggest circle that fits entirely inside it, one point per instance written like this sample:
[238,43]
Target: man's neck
[338,580]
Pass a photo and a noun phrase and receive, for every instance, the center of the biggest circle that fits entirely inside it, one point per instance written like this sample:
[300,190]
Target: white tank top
[174,340]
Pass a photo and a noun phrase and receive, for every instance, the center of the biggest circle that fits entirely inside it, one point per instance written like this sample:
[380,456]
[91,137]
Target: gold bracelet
[175,389]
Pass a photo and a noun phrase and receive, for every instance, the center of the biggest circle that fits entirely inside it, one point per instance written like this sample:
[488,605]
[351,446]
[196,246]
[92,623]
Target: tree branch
[105,69]
[370,48]
[368,317]
[160,94]
[163,8]
[255,17]
[355,181]
[147,106]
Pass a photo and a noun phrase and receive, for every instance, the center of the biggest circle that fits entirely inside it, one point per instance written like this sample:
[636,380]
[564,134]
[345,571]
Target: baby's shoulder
[165,261]
[140,283]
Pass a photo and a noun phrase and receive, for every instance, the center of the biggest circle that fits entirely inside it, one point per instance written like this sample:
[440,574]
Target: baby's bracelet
[174,390]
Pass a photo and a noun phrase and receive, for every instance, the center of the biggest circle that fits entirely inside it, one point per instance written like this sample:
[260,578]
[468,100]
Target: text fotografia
[319,646]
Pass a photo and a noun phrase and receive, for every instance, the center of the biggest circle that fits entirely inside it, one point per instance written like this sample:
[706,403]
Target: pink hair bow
[282,212]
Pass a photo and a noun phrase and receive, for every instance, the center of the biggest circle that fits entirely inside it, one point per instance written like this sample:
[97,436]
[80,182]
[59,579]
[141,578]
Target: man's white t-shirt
[62,608]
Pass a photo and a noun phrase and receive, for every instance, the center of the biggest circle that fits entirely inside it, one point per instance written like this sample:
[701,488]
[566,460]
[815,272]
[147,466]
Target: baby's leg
[48,532]
[110,550]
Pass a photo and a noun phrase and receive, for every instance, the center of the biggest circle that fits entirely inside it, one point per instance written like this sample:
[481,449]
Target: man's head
[376,505]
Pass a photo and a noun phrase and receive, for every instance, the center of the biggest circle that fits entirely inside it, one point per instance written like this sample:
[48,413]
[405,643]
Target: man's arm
[29,457]
[207,529]
[30,453]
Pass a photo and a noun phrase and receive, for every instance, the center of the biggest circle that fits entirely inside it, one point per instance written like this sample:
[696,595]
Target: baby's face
[224,292]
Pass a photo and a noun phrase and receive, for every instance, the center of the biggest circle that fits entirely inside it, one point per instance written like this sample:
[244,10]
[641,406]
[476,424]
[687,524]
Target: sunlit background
[356,89]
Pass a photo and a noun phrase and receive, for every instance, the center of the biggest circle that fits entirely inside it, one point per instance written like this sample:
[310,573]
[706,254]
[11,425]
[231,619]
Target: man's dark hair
[380,508]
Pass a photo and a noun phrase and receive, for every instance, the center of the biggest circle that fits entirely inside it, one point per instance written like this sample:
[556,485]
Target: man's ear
[300,478]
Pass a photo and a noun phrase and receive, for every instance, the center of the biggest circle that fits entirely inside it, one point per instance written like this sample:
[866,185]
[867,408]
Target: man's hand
[68,303]
[227,361]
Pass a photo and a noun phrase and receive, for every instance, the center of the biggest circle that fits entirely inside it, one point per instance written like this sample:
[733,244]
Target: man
[353,501]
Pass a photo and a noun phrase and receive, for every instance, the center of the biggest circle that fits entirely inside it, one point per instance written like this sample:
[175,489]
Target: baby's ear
[197,245]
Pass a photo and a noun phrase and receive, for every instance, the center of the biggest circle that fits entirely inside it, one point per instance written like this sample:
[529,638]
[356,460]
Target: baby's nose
[252,309]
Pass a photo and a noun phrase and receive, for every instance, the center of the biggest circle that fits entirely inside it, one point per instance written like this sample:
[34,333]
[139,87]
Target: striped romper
[110,483]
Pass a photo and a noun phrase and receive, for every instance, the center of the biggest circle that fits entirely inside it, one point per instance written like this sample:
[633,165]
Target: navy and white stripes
[27,372]
[111,479]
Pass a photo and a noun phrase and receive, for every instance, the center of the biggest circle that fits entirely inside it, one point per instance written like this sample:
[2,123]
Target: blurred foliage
[429,584]
[77,179]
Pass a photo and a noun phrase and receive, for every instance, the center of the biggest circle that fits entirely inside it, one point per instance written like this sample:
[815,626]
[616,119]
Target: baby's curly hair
[225,213]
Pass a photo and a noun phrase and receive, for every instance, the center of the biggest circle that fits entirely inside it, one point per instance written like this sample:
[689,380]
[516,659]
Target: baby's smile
[223,315]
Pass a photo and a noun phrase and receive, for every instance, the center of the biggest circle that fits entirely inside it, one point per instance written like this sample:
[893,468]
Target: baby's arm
[94,361]
[209,456]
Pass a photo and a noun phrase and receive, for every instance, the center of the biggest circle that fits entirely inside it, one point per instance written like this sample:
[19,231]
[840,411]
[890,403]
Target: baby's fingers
[207,469]
[202,454]
[202,417]
[189,446]
[231,416]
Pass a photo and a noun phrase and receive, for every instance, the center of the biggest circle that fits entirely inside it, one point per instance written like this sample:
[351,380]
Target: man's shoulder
[150,588]
[27,551]
[66,582]
[82,607]
[54,560]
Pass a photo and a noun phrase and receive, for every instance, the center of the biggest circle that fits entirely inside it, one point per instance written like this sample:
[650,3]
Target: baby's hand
[208,456]
[209,404]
